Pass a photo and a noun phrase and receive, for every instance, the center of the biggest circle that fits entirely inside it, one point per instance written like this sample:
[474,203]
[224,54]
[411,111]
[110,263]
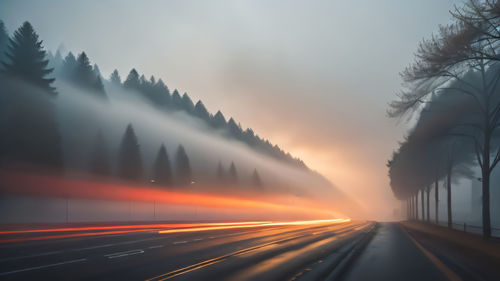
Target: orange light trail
[254,225]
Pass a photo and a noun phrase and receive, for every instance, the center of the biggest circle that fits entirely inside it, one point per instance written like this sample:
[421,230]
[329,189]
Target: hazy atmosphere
[315,79]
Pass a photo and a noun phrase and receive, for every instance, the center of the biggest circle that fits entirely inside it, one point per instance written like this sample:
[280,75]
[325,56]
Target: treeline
[79,71]
[29,127]
[454,85]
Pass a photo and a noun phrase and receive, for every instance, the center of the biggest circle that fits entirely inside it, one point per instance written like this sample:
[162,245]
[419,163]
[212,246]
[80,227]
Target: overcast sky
[314,77]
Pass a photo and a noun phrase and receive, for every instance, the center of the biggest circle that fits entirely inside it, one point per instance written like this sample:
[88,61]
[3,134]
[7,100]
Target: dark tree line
[29,130]
[159,95]
[462,60]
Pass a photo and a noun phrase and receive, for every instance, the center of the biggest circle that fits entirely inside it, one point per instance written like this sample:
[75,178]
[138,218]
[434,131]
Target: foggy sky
[314,77]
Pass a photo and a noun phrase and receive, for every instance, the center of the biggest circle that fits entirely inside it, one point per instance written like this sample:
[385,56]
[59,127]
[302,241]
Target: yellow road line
[450,274]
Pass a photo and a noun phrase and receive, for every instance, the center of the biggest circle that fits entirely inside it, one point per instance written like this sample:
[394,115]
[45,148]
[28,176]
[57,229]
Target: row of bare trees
[455,79]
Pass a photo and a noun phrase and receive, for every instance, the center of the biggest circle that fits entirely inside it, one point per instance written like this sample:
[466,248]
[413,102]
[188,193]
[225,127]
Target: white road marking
[124,254]
[198,239]
[179,242]
[156,246]
[211,237]
[42,266]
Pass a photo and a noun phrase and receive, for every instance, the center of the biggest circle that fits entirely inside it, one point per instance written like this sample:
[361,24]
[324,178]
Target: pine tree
[182,167]
[4,41]
[201,112]
[69,66]
[234,130]
[58,62]
[96,70]
[219,121]
[162,172]
[129,157]
[176,100]
[132,82]
[187,103]
[115,78]
[99,162]
[85,76]
[161,94]
[26,59]
[232,175]
[256,179]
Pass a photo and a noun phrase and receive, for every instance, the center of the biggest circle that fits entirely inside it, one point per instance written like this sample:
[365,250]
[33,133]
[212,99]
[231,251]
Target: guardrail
[465,227]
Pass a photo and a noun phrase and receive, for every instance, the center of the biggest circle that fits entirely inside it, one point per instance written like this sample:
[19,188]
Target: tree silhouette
[29,128]
[182,167]
[234,130]
[187,103]
[219,121]
[85,76]
[4,41]
[256,179]
[99,162]
[129,157]
[162,172]
[232,175]
[115,78]
[68,66]
[201,112]
[176,100]
[26,59]
[132,82]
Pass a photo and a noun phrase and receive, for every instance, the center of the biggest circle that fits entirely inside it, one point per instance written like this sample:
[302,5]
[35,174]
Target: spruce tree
[99,162]
[201,112]
[68,66]
[129,157]
[162,172]
[182,167]
[132,82]
[85,76]
[29,130]
[234,129]
[26,59]
[219,121]
[177,103]
[4,41]
[232,175]
[187,103]
[115,78]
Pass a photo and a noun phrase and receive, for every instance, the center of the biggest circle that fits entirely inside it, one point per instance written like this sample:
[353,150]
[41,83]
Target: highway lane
[271,252]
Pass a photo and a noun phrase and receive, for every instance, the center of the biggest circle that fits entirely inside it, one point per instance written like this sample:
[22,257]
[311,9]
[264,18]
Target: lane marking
[157,246]
[124,254]
[198,239]
[209,262]
[179,242]
[450,274]
[40,267]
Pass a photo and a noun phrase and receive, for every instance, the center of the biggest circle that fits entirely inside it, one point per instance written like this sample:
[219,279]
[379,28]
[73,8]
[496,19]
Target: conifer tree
[99,162]
[182,167]
[233,175]
[30,133]
[4,41]
[129,157]
[176,100]
[69,66]
[201,112]
[162,172]
[187,103]
[256,181]
[115,78]
[234,129]
[132,82]
[219,121]
[96,70]
[26,59]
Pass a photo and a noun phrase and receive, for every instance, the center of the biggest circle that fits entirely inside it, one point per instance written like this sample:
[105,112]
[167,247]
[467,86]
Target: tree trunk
[416,206]
[448,196]
[428,204]
[436,195]
[422,204]
[486,187]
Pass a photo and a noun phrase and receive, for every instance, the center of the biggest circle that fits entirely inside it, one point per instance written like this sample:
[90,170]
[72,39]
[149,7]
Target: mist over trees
[456,72]
[38,130]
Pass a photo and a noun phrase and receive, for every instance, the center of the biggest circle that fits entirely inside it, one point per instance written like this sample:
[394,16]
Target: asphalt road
[274,252]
